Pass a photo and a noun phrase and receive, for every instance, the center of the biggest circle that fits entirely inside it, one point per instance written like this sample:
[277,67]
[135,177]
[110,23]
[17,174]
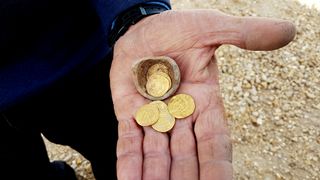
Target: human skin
[199,146]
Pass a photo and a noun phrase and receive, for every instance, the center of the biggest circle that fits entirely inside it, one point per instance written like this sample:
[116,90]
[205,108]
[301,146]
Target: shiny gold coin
[157,68]
[181,106]
[165,122]
[161,105]
[166,76]
[157,85]
[147,115]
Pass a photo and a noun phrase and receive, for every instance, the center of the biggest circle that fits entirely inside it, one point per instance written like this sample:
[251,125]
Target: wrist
[133,15]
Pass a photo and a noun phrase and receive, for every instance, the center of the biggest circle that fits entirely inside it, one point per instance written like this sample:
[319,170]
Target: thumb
[212,27]
[245,32]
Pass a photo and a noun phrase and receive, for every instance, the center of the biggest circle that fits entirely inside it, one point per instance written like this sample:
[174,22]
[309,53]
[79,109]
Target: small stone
[78,161]
[289,93]
[310,95]
[220,53]
[246,85]
[264,85]
[317,106]
[286,107]
[294,139]
[259,121]
[255,113]
[255,98]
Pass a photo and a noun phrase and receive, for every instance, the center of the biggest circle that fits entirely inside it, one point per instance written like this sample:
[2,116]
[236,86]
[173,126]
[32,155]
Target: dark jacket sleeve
[42,41]
[108,10]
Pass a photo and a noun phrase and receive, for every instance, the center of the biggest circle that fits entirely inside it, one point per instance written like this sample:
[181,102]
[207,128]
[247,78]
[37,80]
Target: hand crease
[186,156]
[129,154]
[155,154]
[213,135]
[216,161]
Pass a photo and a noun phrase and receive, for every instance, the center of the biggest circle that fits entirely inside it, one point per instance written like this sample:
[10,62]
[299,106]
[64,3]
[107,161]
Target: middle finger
[156,163]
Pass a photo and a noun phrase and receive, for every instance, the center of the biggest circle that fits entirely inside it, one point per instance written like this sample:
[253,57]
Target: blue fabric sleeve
[108,10]
[42,41]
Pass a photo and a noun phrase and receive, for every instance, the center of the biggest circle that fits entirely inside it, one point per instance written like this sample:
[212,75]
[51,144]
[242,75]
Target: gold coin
[157,85]
[166,121]
[166,76]
[161,105]
[157,68]
[181,106]
[147,115]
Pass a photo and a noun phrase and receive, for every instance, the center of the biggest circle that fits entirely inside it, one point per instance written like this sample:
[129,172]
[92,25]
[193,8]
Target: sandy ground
[272,99]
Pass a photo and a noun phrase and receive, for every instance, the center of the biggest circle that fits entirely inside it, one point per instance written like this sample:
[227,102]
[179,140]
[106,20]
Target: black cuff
[133,15]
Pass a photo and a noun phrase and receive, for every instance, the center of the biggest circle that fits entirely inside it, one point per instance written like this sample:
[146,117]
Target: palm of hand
[199,146]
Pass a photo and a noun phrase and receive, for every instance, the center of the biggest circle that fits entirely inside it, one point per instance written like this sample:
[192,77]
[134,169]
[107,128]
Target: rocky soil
[272,99]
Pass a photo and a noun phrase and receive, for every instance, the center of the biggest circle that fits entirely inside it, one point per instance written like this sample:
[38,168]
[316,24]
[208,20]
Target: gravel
[272,99]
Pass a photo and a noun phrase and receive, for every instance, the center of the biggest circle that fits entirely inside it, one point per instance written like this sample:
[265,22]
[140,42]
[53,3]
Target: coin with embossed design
[166,121]
[147,115]
[157,68]
[181,106]
[158,84]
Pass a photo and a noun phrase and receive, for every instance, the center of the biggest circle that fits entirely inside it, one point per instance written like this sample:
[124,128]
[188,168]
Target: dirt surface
[272,99]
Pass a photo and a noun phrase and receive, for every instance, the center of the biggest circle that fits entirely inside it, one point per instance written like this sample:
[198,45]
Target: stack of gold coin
[166,121]
[158,80]
[161,117]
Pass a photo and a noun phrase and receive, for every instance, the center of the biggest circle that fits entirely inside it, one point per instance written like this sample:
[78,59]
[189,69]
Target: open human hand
[199,146]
